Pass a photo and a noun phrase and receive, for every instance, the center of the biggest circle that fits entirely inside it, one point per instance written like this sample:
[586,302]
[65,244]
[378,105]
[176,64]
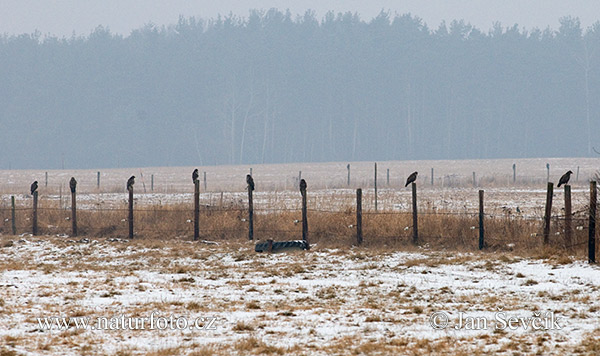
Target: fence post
[481,228]
[204,181]
[568,231]
[514,173]
[13,215]
[388,177]
[35,213]
[250,214]
[474,180]
[432,176]
[304,212]
[548,213]
[577,177]
[196,210]
[130,212]
[547,172]
[375,183]
[359,235]
[592,224]
[348,168]
[414,208]
[152,182]
[98,182]
[46,184]
[73,210]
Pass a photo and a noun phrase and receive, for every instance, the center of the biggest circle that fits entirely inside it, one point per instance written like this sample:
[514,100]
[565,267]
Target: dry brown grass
[383,230]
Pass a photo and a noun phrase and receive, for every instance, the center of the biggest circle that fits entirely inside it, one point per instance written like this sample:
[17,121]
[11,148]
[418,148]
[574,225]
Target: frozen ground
[322,302]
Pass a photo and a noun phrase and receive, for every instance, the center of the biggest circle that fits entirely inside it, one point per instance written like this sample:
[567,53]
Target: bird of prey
[130,183]
[73,184]
[195,175]
[34,187]
[302,185]
[411,178]
[250,181]
[565,178]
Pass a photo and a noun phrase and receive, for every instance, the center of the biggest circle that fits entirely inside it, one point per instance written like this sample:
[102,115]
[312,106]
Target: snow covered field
[322,302]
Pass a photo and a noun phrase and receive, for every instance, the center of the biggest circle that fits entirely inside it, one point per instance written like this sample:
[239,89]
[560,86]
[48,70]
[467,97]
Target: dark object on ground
[281,246]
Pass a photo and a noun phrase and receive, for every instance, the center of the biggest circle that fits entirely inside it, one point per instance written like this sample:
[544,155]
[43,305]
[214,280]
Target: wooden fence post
[73,211]
[547,172]
[13,215]
[152,182]
[481,228]
[205,181]
[474,180]
[514,173]
[568,231]
[46,184]
[414,208]
[548,213]
[577,177]
[431,176]
[348,168]
[388,177]
[35,213]
[375,183]
[130,212]
[304,213]
[98,181]
[359,235]
[250,214]
[592,224]
[196,210]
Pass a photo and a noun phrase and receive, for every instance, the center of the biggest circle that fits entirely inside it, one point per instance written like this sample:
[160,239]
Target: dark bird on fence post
[411,178]
[130,183]
[250,181]
[34,187]
[195,175]
[73,184]
[302,185]
[565,178]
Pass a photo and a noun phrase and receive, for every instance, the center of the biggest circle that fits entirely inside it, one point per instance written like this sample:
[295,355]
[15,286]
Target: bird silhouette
[411,178]
[73,184]
[34,187]
[302,185]
[565,178]
[130,183]
[250,181]
[195,175]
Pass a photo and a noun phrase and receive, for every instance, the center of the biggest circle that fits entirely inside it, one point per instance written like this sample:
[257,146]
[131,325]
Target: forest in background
[277,88]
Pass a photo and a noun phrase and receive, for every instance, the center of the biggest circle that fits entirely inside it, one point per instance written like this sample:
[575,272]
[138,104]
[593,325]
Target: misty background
[273,87]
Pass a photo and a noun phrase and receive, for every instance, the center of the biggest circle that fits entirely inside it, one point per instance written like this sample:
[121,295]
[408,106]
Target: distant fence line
[348,224]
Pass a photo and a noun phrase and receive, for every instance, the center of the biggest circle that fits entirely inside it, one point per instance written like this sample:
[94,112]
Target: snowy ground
[321,302]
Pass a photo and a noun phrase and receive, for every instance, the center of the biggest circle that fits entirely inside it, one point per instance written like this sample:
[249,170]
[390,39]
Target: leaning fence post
[130,212]
[196,210]
[568,231]
[481,228]
[35,213]
[359,235]
[304,212]
[375,183]
[73,186]
[13,215]
[592,224]
[414,208]
[548,213]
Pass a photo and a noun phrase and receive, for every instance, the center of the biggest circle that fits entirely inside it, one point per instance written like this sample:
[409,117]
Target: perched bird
[34,187]
[73,184]
[302,185]
[195,175]
[250,181]
[130,183]
[565,178]
[411,178]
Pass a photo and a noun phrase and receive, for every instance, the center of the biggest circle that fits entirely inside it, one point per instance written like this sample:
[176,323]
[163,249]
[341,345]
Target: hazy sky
[63,17]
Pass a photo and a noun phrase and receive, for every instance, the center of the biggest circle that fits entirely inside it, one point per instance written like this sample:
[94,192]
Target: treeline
[275,88]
